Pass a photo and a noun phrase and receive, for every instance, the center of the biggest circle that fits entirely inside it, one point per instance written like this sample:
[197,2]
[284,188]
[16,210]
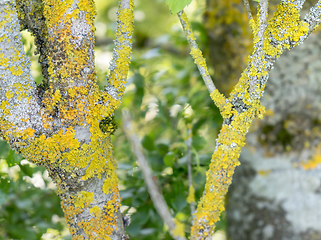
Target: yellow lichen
[284,26]
[315,161]
[191,194]
[83,199]
[222,103]
[179,230]
[72,101]
[9,94]
[16,71]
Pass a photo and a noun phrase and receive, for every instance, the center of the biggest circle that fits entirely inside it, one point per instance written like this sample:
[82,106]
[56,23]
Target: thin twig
[196,52]
[152,186]
[248,9]
[191,198]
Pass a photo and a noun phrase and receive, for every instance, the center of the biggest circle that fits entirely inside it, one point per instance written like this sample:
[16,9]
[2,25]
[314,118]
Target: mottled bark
[276,192]
[58,124]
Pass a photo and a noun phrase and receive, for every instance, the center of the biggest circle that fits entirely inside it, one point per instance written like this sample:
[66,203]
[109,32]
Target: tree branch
[313,17]
[176,228]
[248,9]
[284,31]
[30,13]
[70,42]
[117,78]
[196,52]
[19,110]
[191,190]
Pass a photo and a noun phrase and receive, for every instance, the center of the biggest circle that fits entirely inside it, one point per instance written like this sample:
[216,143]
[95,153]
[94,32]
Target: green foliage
[174,96]
[177,5]
[26,211]
[164,94]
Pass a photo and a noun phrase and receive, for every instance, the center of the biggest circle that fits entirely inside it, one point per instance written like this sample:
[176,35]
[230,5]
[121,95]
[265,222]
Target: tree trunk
[276,192]
[65,123]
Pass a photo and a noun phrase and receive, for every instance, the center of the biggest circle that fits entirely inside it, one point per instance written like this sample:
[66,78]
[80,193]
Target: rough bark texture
[58,124]
[285,142]
[276,192]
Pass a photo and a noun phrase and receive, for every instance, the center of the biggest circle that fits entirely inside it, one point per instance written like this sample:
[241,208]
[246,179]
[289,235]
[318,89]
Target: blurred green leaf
[148,143]
[179,202]
[162,149]
[2,197]
[26,169]
[169,159]
[138,80]
[4,149]
[198,142]
[177,5]
[13,158]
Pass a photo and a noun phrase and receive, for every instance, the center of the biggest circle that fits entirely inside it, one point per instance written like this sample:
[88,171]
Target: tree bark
[276,192]
[58,124]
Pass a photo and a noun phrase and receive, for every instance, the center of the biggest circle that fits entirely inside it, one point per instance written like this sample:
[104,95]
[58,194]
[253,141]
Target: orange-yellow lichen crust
[179,230]
[191,194]
[63,132]
[196,53]
[121,53]
[283,31]
[314,161]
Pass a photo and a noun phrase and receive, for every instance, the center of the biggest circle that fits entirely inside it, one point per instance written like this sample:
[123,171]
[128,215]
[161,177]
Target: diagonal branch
[117,78]
[248,9]
[196,52]
[176,228]
[313,17]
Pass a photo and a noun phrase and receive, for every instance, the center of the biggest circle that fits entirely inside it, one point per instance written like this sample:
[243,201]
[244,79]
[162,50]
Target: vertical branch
[249,15]
[259,41]
[117,78]
[30,13]
[19,110]
[176,228]
[191,191]
[70,27]
[219,100]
